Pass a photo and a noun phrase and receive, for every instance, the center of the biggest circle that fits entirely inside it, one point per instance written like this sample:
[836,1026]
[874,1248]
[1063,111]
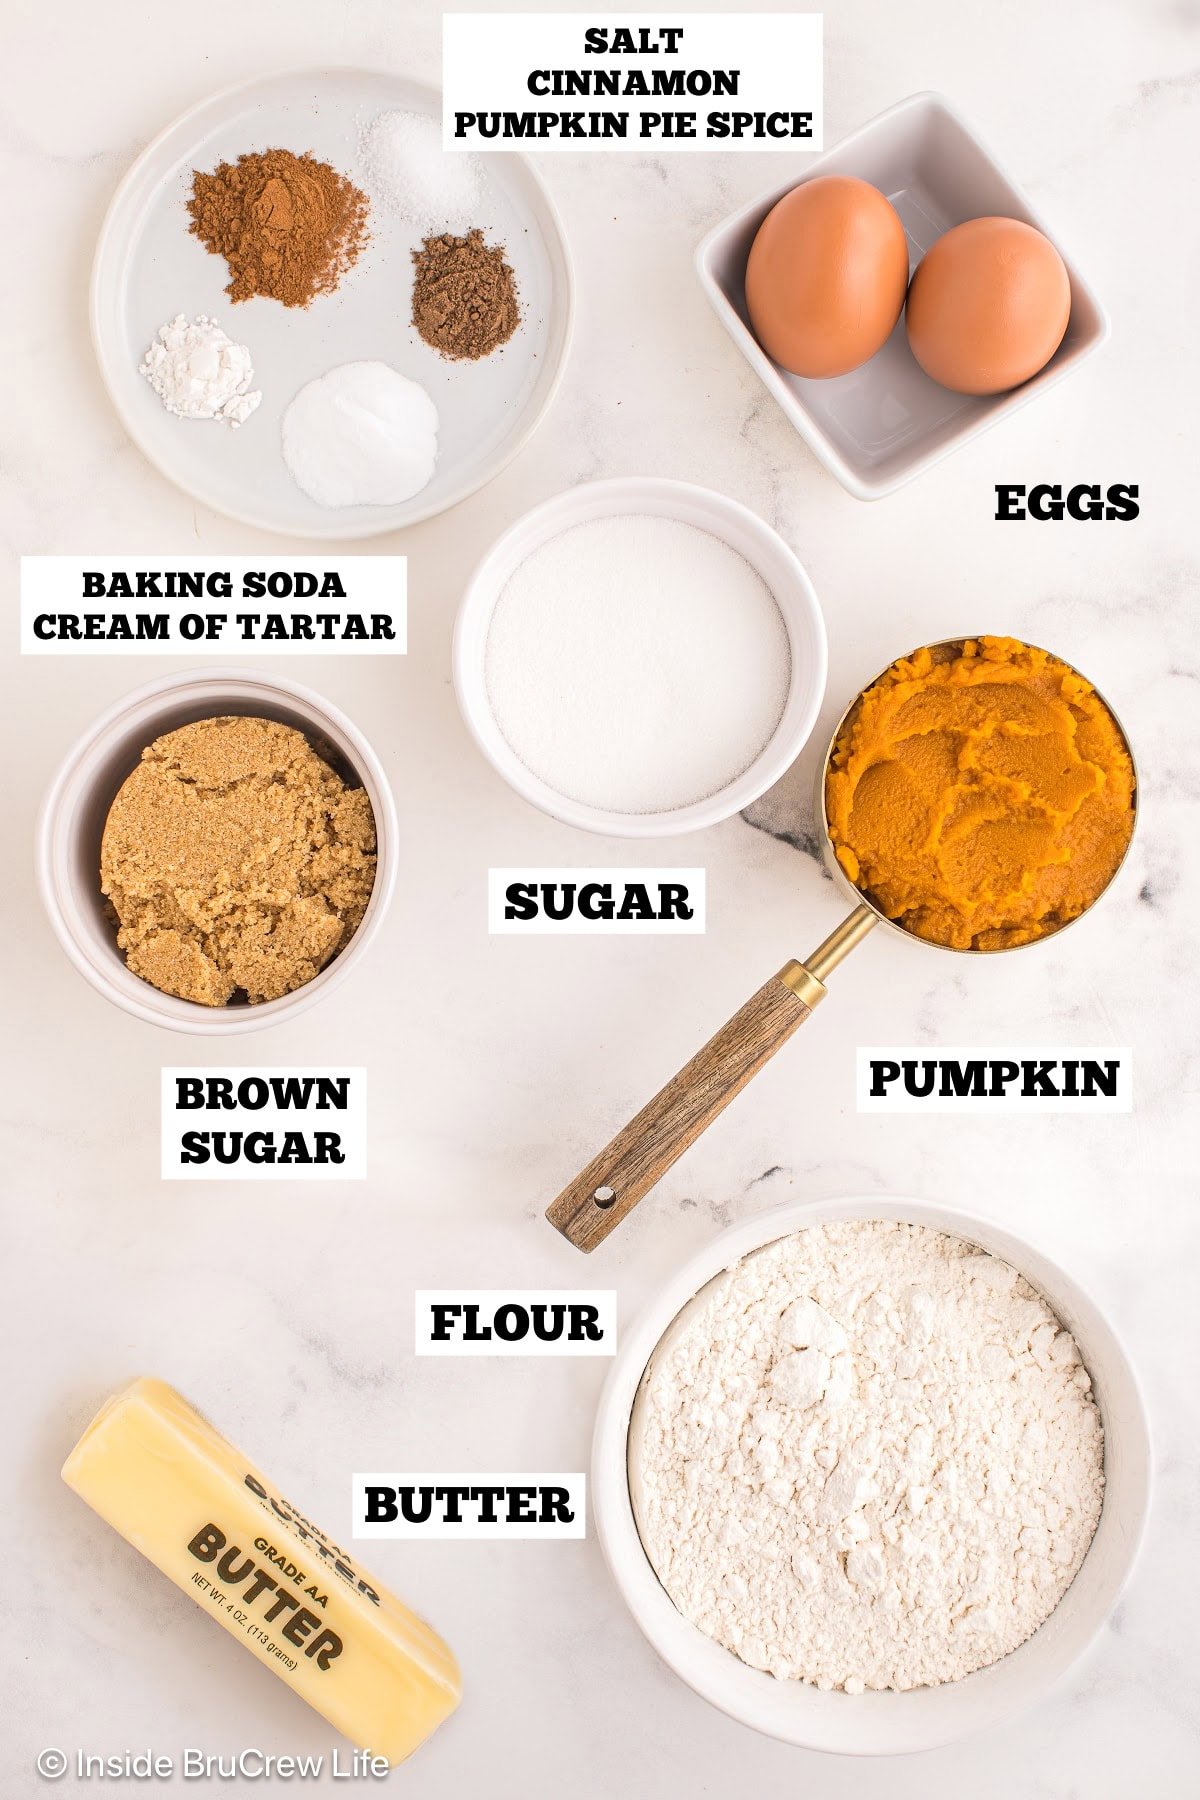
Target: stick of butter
[171,1485]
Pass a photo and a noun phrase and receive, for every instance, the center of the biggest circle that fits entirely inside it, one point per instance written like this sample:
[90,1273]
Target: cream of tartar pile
[871,1459]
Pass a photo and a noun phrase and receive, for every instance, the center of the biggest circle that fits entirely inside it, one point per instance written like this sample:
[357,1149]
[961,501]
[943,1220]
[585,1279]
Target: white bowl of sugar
[640,657]
[884,1720]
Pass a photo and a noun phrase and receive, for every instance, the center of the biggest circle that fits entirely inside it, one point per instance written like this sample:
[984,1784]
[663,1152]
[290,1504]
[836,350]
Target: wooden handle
[613,1182]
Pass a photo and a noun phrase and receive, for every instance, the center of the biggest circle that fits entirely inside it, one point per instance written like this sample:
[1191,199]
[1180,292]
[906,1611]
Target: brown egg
[826,276]
[988,306]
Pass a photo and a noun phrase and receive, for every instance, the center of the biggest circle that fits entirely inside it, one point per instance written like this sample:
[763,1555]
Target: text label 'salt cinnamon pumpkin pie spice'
[288,226]
[464,295]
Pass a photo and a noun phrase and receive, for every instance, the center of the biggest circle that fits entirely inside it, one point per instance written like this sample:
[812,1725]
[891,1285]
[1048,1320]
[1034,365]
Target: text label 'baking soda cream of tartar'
[193,605]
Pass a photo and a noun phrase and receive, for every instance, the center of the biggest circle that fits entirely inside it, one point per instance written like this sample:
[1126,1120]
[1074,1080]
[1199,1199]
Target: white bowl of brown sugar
[217,851]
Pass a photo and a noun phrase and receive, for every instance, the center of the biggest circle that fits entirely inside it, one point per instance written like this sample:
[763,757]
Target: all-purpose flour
[870,1459]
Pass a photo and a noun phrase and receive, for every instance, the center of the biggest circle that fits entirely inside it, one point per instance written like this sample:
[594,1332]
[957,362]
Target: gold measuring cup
[641,1153]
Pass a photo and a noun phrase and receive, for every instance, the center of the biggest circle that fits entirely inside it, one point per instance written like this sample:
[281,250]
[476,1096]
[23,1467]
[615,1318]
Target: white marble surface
[497,1066]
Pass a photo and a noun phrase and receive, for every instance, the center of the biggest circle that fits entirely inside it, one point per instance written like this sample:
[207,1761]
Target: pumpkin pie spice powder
[464,295]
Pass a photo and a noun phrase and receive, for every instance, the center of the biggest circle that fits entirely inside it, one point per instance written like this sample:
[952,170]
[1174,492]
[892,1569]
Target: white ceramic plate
[148,268]
[888,1723]
[886,422]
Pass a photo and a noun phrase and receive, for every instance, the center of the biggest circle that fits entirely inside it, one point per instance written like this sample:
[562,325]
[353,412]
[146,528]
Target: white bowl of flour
[870,1474]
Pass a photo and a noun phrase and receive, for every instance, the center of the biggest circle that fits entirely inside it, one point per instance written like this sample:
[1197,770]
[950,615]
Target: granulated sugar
[637,664]
[869,1457]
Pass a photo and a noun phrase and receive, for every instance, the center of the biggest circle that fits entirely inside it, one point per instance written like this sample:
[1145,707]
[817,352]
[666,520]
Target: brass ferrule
[806,987]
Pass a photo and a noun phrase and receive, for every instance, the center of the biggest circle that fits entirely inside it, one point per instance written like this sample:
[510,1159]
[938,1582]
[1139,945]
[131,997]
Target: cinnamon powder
[288,226]
[464,295]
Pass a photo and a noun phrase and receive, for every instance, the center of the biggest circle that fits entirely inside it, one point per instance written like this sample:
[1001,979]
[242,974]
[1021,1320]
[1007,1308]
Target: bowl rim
[851,476]
[673,1637]
[653,495]
[346,531]
[163,695]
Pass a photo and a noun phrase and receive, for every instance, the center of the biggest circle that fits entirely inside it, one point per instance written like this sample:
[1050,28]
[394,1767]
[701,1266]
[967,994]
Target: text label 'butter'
[468,1506]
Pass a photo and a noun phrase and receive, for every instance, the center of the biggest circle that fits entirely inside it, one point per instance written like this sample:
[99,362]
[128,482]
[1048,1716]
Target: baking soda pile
[361,435]
[869,1459]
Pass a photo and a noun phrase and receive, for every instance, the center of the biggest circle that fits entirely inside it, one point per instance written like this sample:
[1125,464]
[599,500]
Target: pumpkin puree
[980,795]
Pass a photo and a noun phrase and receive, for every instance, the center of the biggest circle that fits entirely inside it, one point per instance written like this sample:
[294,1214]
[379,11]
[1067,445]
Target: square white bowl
[886,422]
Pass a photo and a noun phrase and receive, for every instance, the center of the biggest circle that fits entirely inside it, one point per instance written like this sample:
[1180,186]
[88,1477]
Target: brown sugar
[288,226]
[464,295]
[236,860]
[981,795]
